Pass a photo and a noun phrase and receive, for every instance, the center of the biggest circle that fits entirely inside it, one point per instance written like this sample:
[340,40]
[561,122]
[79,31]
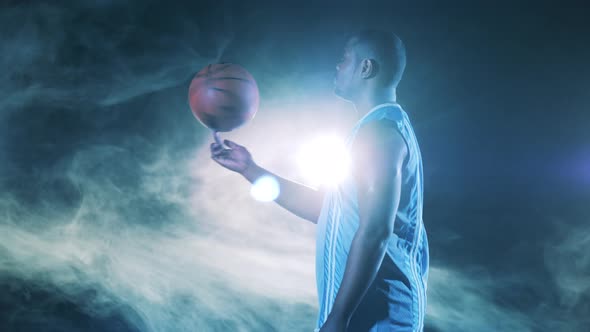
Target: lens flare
[324,160]
[265,189]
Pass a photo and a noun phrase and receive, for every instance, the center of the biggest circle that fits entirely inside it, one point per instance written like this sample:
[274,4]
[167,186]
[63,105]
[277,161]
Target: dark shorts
[390,305]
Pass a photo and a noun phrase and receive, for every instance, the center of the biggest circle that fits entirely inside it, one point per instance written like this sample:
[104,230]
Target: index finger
[216,137]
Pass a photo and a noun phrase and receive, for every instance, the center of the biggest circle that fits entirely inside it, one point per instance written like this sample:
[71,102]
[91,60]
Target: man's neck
[367,102]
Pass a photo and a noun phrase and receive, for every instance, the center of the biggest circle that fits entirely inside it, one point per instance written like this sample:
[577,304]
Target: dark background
[98,152]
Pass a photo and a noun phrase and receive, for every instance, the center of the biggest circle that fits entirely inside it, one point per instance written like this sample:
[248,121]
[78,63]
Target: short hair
[388,50]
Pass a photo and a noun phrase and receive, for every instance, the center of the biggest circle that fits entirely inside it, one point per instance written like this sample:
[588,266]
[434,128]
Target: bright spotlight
[265,189]
[324,160]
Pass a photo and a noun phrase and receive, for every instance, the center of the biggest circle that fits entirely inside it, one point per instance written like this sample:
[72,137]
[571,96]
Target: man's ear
[369,68]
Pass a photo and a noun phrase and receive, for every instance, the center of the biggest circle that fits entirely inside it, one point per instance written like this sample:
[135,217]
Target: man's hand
[236,158]
[334,324]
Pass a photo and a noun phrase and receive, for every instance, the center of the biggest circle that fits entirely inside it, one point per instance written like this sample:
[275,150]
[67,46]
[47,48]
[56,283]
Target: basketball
[223,96]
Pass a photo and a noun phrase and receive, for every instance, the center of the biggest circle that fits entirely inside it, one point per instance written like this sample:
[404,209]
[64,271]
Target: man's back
[397,298]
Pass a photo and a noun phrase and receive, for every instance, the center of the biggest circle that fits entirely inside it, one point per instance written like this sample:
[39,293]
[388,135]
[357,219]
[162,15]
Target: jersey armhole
[396,125]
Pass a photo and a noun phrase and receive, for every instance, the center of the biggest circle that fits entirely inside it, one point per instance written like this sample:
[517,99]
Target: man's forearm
[303,201]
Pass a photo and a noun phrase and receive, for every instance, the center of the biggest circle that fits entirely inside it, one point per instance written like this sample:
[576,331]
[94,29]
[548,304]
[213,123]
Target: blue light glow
[265,189]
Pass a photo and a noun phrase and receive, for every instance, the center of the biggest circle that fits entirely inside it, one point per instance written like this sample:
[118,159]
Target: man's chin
[339,93]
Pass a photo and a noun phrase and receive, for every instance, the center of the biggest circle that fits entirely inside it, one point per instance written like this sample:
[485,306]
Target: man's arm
[304,202]
[377,165]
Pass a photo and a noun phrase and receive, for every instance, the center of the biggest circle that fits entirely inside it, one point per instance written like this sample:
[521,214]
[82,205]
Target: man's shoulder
[380,132]
[379,143]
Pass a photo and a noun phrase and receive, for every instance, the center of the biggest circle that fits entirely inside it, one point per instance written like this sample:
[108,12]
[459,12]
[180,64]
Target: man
[371,249]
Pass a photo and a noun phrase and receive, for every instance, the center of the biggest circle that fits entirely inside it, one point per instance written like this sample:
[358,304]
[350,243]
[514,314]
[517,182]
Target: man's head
[373,59]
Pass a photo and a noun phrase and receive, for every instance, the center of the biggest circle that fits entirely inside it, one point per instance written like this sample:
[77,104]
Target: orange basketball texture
[223,96]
